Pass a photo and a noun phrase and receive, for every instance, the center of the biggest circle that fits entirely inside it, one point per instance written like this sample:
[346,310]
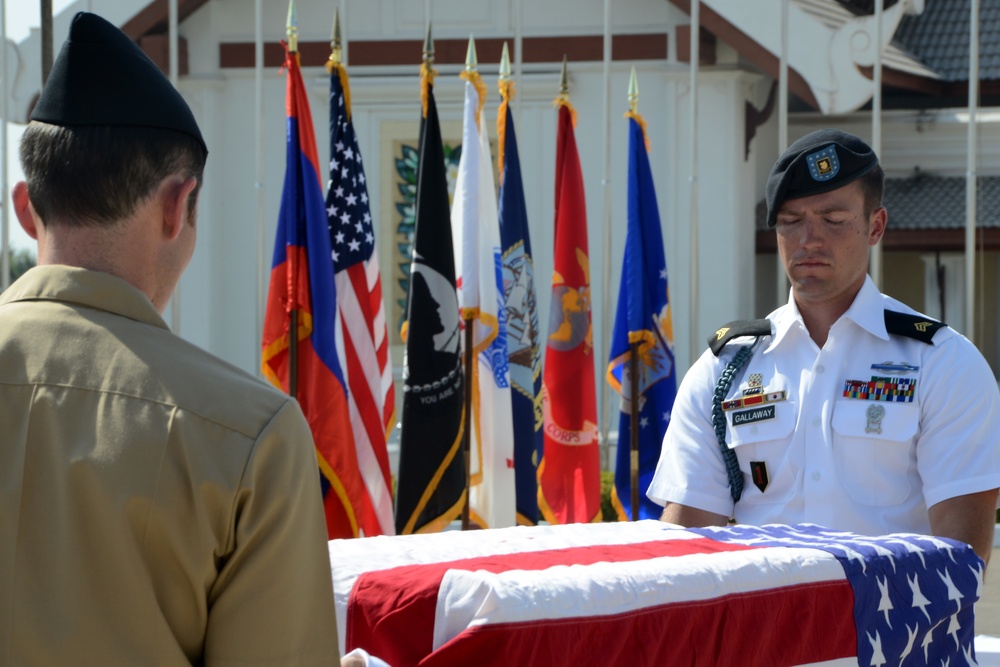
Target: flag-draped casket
[647,593]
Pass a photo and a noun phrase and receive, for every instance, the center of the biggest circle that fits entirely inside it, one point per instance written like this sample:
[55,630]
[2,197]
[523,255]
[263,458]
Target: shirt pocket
[874,453]
[767,441]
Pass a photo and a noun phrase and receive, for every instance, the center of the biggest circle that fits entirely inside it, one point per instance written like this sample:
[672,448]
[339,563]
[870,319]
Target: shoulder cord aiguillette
[732,369]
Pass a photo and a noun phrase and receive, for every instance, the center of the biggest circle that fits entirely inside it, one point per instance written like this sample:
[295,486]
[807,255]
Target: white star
[663,273]
[345,218]
[364,197]
[912,548]
[978,572]
[878,658]
[340,237]
[340,100]
[911,634]
[884,604]
[340,146]
[941,544]
[881,551]
[918,597]
[352,199]
[331,211]
[644,422]
[953,627]
[361,228]
[334,165]
[354,245]
[348,154]
[339,192]
[368,218]
[953,592]
[850,554]
[369,238]
[666,416]
[361,177]
[929,639]
[969,660]
[336,257]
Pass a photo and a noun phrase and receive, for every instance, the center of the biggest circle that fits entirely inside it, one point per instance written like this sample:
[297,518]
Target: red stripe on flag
[685,633]
[391,612]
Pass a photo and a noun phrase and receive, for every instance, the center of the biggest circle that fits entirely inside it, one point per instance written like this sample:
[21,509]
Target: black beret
[102,77]
[818,162]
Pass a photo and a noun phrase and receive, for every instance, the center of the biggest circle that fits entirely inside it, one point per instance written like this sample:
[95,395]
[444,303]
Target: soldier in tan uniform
[157,505]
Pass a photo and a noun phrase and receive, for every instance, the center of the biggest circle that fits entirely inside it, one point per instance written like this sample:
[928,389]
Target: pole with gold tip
[468,322]
[292,32]
[336,43]
[633,106]
[427,70]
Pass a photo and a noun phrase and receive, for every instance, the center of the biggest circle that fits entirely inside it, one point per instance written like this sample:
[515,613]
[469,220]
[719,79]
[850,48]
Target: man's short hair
[100,174]
[873,187]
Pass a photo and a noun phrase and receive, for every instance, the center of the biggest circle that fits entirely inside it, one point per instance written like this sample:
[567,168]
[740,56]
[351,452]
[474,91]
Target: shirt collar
[867,311]
[93,289]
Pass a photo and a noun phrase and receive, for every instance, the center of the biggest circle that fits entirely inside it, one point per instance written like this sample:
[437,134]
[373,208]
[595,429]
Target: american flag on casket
[647,593]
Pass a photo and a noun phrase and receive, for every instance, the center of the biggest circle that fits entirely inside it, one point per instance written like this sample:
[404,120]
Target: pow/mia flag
[431,488]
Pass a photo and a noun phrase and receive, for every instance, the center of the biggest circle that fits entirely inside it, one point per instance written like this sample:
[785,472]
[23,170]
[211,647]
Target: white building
[831,54]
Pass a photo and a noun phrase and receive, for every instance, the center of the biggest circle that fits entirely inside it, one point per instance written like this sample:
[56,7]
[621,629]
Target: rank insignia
[758,471]
[874,415]
[721,332]
[887,389]
[823,164]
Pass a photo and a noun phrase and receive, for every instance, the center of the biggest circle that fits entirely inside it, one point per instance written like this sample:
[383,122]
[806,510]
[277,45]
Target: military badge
[823,164]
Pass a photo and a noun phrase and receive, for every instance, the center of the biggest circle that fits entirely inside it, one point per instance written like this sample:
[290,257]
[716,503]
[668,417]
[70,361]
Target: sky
[21,15]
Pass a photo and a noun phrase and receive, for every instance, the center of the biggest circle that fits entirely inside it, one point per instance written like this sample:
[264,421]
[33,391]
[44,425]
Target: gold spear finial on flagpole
[633,93]
[471,62]
[292,28]
[429,47]
[564,81]
[336,43]
[504,64]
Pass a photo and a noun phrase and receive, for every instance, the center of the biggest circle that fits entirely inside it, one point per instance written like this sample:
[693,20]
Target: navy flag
[522,317]
[431,488]
[643,316]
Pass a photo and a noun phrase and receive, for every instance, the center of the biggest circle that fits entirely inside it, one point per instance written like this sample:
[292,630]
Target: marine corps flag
[570,471]
[431,488]
[476,232]
[643,317]
[301,315]
[522,317]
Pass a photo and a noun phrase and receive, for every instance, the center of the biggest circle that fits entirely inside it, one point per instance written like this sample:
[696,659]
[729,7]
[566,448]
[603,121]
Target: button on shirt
[830,439]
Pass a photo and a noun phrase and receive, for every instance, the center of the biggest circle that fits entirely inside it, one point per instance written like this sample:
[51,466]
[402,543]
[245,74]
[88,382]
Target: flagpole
[606,185]
[5,214]
[633,104]
[782,279]
[693,147]
[175,300]
[292,31]
[875,268]
[970,175]
[46,29]
[468,359]
[258,186]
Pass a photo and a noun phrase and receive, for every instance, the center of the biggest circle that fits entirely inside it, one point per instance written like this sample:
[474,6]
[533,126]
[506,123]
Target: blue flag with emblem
[643,317]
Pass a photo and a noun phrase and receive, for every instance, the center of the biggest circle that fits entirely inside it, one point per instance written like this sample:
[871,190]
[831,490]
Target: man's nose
[811,232]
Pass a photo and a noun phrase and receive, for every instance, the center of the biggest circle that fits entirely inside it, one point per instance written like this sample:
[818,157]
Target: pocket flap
[876,420]
[770,421]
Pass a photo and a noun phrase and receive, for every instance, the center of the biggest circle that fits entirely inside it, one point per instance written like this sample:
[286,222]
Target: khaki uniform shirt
[157,505]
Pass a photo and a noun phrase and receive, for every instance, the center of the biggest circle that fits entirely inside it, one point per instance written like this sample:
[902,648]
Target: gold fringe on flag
[344,83]
[427,74]
[507,93]
[477,81]
[642,124]
[563,101]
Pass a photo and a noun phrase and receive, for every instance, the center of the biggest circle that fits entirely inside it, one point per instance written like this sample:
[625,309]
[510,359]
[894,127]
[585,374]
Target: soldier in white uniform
[845,407]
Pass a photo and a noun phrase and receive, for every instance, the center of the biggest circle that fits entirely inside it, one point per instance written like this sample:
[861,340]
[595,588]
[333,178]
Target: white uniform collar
[867,311]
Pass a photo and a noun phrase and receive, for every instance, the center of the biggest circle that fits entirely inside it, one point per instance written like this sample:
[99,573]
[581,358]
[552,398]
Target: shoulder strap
[738,328]
[912,326]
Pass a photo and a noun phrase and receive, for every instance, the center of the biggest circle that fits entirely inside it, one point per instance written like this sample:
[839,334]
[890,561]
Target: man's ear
[23,209]
[879,220]
[175,205]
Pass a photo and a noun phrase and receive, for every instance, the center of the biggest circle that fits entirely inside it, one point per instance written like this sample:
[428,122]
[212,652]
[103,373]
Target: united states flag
[362,340]
[646,593]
